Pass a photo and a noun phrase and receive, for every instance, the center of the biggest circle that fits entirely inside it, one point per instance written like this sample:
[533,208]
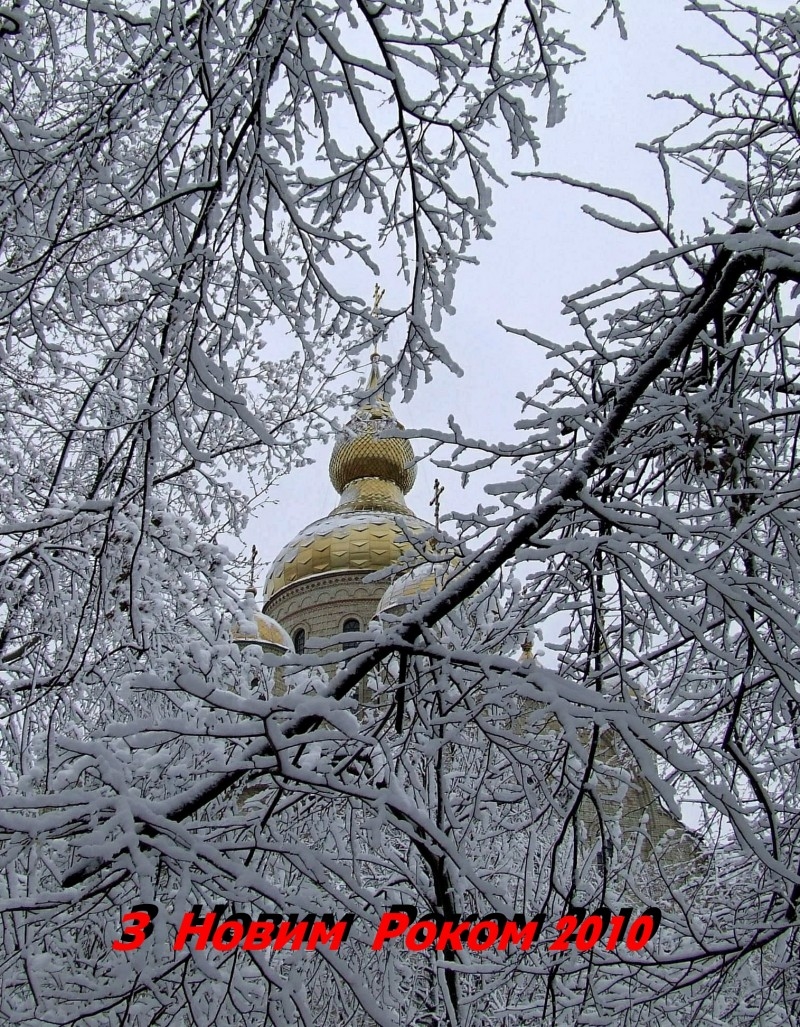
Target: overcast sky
[543,248]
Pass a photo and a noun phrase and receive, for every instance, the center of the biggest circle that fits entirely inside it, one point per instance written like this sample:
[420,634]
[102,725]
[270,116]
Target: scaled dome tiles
[344,542]
[365,456]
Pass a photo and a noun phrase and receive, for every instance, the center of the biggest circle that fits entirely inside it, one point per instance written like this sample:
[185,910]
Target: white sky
[543,248]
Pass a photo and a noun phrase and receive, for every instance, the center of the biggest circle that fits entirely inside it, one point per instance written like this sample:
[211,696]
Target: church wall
[320,605]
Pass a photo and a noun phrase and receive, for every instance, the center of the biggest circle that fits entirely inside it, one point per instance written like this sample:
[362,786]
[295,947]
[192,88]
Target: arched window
[351,624]
[299,640]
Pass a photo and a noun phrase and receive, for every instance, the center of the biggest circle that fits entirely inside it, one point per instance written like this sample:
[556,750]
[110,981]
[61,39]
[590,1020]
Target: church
[315,589]
[315,592]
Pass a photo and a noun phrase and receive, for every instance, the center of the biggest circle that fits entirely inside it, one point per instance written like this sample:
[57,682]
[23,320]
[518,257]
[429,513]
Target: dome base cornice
[373,494]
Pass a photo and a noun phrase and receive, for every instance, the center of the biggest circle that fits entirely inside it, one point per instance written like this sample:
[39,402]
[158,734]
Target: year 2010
[584,932]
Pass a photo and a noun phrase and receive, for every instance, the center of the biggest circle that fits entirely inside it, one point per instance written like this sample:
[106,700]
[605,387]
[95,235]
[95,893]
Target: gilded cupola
[251,627]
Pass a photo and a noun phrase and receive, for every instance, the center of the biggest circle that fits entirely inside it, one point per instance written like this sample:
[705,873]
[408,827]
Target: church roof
[363,542]
[372,525]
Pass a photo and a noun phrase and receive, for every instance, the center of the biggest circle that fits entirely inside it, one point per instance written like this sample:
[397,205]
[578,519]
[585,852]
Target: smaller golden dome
[416,585]
[252,627]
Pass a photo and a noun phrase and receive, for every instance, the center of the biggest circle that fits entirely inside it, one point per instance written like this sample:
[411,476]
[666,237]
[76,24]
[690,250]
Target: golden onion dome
[365,455]
[362,453]
[251,627]
[372,525]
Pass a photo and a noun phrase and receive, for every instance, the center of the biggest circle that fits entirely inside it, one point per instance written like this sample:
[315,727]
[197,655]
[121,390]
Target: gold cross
[437,492]
[377,296]
[253,555]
